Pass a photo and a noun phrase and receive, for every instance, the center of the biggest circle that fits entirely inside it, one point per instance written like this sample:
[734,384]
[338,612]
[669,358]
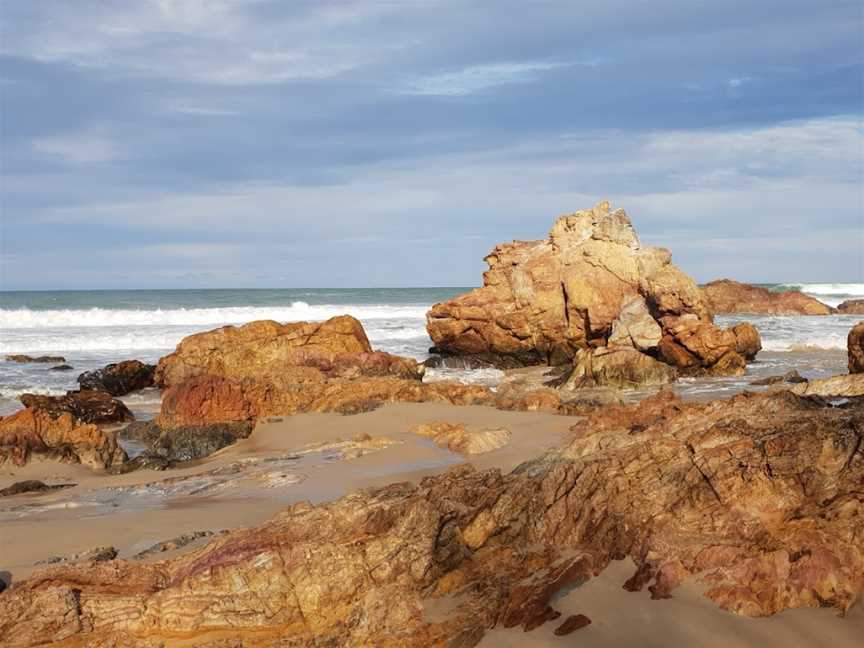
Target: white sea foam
[24,318]
[832,294]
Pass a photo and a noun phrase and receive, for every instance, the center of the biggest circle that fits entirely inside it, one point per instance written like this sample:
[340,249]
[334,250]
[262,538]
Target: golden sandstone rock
[462,439]
[758,497]
[727,296]
[590,284]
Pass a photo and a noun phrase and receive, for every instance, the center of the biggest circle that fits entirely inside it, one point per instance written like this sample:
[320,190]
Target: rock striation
[591,284]
[855,348]
[726,296]
[757,497]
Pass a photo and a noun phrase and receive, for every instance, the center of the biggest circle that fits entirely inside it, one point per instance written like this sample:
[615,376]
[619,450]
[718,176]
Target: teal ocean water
[93,328]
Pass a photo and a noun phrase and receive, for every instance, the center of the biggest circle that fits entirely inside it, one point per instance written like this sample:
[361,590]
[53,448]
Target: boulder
[460,438]
[118,379]
[726,296]
[855,348]
[184,443]
[24,359]
[86,406]
[56,435]
[617,367]
[844,386]
[791,377]
[851,307]
[590,284]
[335,348]
[757,498]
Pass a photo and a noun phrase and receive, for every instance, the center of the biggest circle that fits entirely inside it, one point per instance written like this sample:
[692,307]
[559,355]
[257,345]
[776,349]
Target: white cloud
[78,148]
[737,82]
[476,78]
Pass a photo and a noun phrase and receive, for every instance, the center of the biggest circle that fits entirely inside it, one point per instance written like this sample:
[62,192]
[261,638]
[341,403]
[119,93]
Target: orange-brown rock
[851,307]
[727,296]
[758,497]
[335,348]
[458,437]
[855,348]
[591,283]
[61,436]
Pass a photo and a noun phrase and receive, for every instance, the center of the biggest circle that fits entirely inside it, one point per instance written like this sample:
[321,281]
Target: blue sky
[229,143]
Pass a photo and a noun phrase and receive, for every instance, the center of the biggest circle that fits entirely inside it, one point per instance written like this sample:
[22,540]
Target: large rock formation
[851,307]
[855,348]
[118,379]
[590,284]
[727,296]
[335,348]
[758,497]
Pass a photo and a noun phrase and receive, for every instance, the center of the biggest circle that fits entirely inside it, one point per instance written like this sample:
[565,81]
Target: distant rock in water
[591,284]
[23,359]
[62,367]
[851,307]
[855,348]
[118,379]
[726,296]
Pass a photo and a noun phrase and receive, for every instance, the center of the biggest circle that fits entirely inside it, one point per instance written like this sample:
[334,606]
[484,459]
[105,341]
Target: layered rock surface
[758,497]
[590,284]
[726,296]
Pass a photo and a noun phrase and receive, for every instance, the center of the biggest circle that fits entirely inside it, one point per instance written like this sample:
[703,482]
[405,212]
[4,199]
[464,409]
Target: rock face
[852,307]
[855,348]
[757,497]
[727,296]
[464,440]
[118,379]
[57,435]
[590,284]
[337,348]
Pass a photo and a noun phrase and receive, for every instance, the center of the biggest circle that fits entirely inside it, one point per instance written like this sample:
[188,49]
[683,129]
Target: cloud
[476,78]
[737,82]
[78,148]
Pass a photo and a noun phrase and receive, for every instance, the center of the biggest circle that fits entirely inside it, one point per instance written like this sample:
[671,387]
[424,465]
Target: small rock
[30,486]
[174,543]
[571,624]
[62,367]
[792,377]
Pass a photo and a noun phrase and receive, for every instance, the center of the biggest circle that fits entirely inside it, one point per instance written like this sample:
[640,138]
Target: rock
[855,348]
[118,379]
[571,624]
[617,367]
[337,348]
[62,367]
[185,443]
[792,377]
[700,348]
[97,554]
[757,498]
[31,486]
[851,307]
[456,437]
[844,386]
[86,406]
[590,284]
[36,359]
[726,296]
[175,543]
[57,435]
[443,360]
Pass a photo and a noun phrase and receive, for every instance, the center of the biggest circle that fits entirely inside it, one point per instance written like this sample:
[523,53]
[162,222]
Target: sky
[262,143]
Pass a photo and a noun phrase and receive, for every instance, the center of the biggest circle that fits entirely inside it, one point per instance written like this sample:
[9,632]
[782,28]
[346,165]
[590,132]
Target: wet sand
[307,457]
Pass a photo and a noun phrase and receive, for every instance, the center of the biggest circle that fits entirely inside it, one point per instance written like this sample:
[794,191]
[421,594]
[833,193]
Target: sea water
[93,328]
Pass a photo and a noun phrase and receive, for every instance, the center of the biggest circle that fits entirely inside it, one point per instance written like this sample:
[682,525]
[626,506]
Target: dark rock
[851,307]
[141,462]
[31,486]
[62,367]
[40,359]
[184,443]
[86,406]
[119,379]
[571,624]
[792,377]
[443,360]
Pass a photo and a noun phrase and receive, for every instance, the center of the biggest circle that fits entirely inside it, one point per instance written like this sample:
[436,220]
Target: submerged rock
[62,367]
[855,348]
[118,379]
[590,284]
[35,359]
[726,296]
[757,497]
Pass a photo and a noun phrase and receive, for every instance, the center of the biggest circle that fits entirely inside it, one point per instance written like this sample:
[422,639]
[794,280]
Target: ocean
[93,328]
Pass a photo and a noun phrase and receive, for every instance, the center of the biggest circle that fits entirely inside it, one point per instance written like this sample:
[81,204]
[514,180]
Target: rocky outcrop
[617,367]
[24,359]
[851,307]
[86,406]
[590,284]
[460,438]
[337,348]
[757,497]
[855,348]
[57,435]
[726,296]
[118,379]
[184,443]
